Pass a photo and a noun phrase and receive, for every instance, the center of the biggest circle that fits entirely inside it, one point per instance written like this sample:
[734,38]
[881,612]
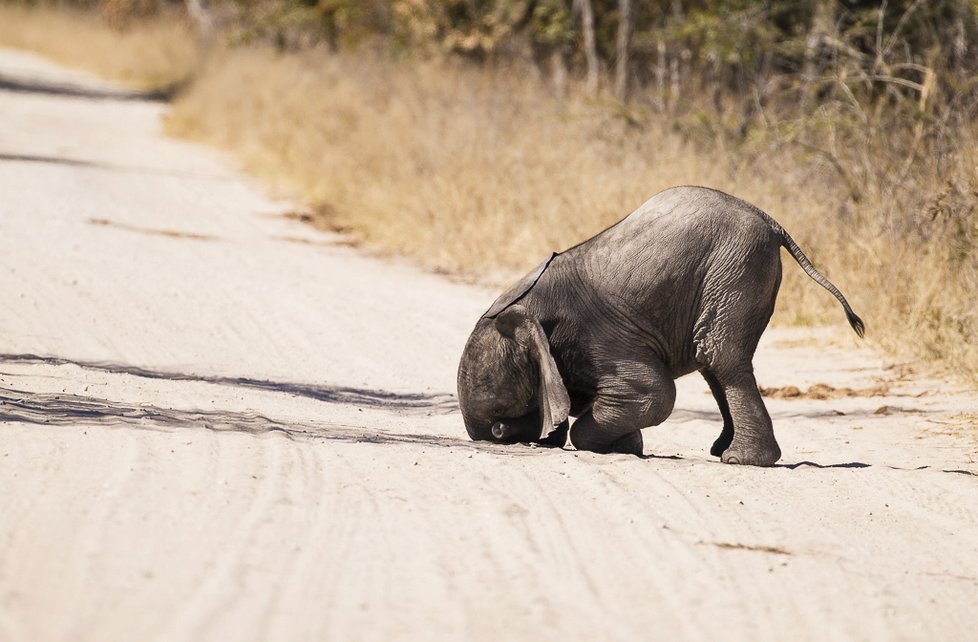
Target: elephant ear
[519,289]
[516,323]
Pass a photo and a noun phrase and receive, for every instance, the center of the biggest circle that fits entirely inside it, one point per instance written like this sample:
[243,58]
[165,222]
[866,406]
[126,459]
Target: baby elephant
[600,331]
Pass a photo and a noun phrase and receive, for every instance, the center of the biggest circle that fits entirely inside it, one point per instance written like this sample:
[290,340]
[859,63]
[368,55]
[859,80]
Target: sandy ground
[217,423]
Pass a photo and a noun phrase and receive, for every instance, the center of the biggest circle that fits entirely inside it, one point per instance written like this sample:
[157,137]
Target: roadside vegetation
[153,52]
[478,137]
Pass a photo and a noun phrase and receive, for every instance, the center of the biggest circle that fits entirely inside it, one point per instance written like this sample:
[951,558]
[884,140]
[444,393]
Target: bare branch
[621,58]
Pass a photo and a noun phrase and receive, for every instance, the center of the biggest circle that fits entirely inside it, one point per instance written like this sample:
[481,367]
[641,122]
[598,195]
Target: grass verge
[483,172]
[148,55]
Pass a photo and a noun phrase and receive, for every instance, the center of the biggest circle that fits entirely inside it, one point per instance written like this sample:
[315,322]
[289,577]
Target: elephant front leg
[588,433]
[753,441]
[558,437]
[641,395]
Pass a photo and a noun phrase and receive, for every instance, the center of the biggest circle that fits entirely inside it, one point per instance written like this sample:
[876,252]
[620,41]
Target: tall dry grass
[483,172]
[149,55]
[471,171]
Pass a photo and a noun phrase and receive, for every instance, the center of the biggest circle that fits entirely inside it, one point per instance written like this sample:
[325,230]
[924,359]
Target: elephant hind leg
[725,338]
[747,436]
[640,395]
[753,441]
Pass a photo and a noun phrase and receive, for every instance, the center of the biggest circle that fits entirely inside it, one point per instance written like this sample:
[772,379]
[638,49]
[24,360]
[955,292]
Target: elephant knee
[657,410]
[651,410]
[635,413]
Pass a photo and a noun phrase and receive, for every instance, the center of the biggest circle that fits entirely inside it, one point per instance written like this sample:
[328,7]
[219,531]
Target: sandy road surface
[218,424]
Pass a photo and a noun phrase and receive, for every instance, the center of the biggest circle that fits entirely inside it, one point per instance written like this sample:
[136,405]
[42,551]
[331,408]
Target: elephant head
[509,389]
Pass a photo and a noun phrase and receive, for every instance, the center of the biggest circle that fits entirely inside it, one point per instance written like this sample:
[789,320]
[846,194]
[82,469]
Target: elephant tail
[789,244]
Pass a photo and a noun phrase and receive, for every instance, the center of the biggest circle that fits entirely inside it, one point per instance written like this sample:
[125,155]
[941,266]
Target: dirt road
[217,423]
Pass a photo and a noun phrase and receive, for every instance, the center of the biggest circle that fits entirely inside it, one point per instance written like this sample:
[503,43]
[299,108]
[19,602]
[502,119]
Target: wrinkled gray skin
[599,332]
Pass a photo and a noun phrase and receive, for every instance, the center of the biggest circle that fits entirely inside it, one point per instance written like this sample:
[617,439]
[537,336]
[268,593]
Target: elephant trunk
[501,431]
[518,429]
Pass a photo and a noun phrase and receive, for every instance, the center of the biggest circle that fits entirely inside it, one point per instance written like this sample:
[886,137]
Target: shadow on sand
[859,464]
[109,167]
[76,410]
[441,403]
[34,86]
[54,409]
[68,409]
[811,464]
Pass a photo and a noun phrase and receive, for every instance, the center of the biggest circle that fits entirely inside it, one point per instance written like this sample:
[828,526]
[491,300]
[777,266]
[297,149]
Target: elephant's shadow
[858,464]
[806,464]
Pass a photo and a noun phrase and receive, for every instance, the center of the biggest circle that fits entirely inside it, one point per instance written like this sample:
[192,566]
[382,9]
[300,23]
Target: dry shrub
[483,172]
[152,54]
[912,224]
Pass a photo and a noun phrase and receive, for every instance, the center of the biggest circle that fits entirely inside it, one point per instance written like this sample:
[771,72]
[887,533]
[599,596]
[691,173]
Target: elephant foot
[763,455]
[630,444]
[558,438]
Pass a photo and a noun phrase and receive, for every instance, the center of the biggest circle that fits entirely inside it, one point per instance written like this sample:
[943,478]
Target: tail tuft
[856,323]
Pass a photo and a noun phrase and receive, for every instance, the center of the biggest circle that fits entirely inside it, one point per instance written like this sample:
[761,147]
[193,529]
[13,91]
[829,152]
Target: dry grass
[147,55]
[484,172]
[471,171]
